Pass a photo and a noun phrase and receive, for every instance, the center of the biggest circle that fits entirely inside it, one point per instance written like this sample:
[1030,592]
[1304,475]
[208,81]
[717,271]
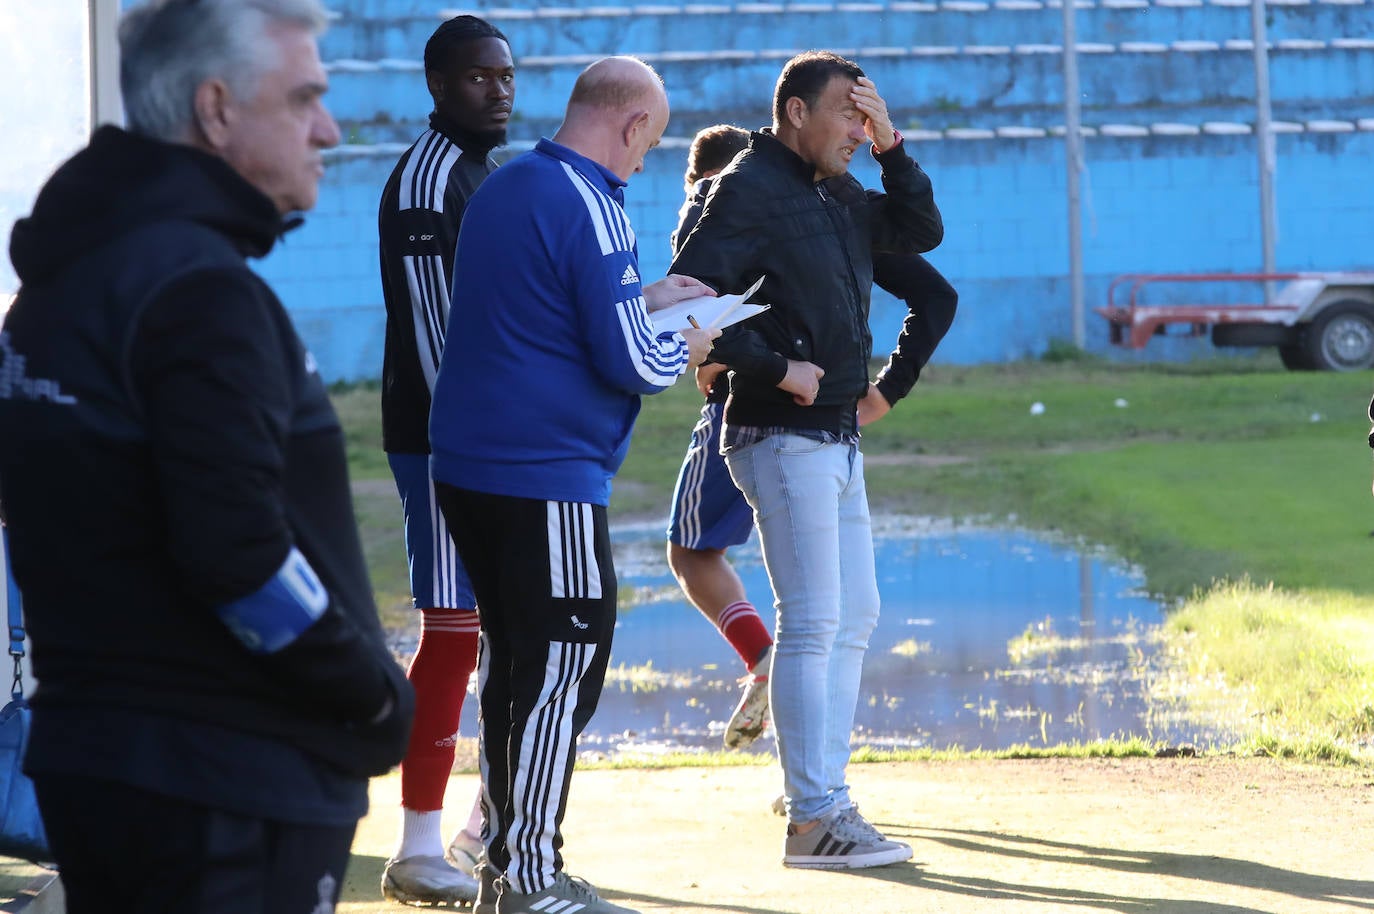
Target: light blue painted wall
[1158,205]
[399,29]
[1153,203]
[962,90]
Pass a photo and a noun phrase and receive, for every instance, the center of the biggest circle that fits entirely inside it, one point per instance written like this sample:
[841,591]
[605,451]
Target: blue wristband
[277,613]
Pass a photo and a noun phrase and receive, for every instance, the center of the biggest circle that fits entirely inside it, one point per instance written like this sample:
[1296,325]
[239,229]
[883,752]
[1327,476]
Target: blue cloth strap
[276,614]
[16,615]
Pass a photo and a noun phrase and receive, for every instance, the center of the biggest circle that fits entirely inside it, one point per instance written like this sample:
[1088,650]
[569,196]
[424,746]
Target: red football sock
[740,624]
[439,671]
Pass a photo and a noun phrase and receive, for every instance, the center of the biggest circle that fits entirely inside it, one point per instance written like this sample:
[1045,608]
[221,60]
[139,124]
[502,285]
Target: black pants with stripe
[546,590]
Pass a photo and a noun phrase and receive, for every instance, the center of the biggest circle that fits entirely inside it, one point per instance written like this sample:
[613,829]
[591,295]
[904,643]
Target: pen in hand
[710,343]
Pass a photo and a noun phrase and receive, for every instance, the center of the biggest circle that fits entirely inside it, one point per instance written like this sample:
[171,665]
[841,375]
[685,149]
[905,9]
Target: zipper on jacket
[827,200]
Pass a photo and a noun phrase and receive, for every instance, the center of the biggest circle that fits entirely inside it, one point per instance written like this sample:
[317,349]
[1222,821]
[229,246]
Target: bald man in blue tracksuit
[550,347]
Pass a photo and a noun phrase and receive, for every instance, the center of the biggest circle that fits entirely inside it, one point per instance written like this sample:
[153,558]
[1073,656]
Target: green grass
[1293,509]
[1125,748]
[381,526]
[1298,664]
[360,410]
[987,409]
[1313,750]
[1201,476]
[1211,473]
[1040,640]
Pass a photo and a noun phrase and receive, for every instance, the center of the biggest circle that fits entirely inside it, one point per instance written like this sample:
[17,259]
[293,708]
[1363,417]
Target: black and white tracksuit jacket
[417,223]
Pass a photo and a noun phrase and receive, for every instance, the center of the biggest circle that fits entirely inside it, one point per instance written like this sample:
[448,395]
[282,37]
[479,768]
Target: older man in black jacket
[215,687]
[787,209]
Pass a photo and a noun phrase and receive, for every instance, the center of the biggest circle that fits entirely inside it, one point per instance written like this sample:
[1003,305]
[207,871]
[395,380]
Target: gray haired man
[215,689]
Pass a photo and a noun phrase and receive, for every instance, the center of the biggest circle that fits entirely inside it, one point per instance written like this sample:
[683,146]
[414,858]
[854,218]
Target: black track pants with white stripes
[545,588]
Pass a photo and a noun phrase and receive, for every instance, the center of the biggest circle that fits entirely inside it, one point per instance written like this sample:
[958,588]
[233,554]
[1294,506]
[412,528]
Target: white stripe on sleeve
[658,360]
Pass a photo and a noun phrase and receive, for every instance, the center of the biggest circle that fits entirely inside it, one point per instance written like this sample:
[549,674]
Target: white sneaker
[464,851]
[428,881]
[751,714]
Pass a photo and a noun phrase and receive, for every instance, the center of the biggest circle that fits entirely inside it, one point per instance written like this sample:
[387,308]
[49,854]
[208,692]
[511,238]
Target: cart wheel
[1341,337]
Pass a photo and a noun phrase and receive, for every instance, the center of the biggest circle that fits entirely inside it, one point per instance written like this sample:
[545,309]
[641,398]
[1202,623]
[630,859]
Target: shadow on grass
[679,904]
[902,874]
[1219,871]
[365,872]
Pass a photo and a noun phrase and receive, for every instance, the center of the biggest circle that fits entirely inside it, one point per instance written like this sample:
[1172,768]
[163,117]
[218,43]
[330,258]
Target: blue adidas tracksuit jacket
[549,344]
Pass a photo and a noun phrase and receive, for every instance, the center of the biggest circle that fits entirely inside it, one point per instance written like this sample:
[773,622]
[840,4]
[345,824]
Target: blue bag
[21,826]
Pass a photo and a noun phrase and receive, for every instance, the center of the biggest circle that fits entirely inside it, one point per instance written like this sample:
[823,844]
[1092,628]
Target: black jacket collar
[765,142]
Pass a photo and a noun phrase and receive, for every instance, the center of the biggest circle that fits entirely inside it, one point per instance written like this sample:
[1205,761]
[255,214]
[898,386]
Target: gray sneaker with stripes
[844,841]
[567,895]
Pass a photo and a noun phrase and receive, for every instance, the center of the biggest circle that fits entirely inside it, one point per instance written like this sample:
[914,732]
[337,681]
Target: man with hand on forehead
[709,514]
[787,209]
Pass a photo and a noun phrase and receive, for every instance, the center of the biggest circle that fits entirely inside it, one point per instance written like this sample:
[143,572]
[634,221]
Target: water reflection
[939,671]
[948,665]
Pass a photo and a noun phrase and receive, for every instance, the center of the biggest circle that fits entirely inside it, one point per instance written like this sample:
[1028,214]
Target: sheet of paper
[709,311]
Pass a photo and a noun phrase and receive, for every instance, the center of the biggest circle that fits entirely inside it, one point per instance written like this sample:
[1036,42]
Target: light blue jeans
[811,508]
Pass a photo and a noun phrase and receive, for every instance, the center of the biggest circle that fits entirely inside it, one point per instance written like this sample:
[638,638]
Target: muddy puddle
[988,638]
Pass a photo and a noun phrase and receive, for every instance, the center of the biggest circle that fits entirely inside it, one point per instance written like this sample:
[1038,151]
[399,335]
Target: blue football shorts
[708,511]
[437,577]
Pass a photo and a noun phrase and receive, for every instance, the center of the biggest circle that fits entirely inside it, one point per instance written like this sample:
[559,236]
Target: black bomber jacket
[813,242]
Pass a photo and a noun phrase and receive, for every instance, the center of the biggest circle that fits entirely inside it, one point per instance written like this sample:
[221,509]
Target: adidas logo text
[629,277]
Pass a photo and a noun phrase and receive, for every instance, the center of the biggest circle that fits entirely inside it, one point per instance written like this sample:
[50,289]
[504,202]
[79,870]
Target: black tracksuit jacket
[417,223]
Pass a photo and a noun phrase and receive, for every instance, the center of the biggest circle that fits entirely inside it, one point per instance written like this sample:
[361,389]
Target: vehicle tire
[1295,358]
[1341,336]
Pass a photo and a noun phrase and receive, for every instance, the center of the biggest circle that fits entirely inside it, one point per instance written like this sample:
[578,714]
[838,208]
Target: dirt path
[1183,836]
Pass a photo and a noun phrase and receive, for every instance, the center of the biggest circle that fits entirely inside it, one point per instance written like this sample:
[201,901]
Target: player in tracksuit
[471,77]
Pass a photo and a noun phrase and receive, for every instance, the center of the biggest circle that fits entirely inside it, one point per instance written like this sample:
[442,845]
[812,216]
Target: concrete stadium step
[399,28]
[392,137]
[944,88]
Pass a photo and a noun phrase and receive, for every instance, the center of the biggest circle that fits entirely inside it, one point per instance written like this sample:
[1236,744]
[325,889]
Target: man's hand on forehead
[877,124]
